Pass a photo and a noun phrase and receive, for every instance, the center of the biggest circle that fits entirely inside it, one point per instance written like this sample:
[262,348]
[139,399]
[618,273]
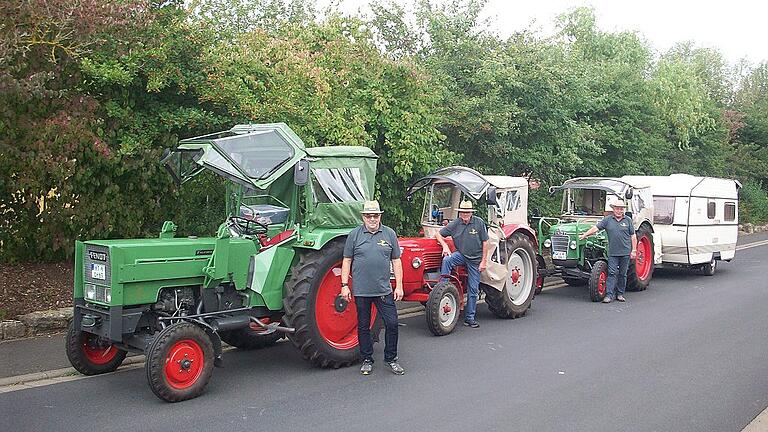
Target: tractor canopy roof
[255,155]
[468,180]
[618,187]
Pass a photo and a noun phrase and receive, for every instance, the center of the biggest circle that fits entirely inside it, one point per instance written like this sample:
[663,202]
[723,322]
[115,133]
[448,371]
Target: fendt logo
[97,256]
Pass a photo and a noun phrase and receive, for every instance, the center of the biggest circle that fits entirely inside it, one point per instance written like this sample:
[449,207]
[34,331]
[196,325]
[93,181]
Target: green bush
[753,205]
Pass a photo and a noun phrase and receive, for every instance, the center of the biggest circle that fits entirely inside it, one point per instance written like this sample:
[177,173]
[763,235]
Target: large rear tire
[640,269]
[91,354]
[598,279]
[514,300]
[249,338]
[326,325]
[179,362]
[442,309]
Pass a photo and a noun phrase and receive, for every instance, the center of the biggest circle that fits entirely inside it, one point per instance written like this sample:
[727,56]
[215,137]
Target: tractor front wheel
[443,308]
[91,354]
[179,362]
[598,280]
[325,323]
[640,269]
[514,300]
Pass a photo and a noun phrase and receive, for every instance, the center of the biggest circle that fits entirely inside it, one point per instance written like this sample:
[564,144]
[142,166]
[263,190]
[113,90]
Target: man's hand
[483,266]
[346,293]
[582,236]
[398,293]
[446,251]
[633,254]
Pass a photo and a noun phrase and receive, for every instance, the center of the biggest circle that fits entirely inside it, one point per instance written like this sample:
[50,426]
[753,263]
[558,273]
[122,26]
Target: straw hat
[371,207]
[466,206]
[619,203]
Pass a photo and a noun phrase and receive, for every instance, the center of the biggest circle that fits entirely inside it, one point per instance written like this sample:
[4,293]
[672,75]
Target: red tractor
[510,280]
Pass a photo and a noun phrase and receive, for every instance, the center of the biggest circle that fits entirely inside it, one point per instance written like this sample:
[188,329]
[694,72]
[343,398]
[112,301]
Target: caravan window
[335,185]
[730,211]
[663,210]
[711,210]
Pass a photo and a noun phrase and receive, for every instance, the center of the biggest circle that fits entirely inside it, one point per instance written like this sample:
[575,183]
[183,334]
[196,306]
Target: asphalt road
[689,354]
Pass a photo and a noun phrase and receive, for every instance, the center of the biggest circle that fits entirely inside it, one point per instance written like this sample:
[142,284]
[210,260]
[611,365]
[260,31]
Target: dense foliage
[92,91]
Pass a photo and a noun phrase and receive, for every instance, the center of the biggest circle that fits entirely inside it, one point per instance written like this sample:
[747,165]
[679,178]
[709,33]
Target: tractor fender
[511,229]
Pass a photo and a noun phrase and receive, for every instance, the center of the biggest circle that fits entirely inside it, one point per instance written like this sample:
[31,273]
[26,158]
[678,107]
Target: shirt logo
[472,231]
[382,243]
[623,224]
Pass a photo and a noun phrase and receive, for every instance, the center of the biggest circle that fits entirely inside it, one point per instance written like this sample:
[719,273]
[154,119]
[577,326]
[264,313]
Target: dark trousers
[385,307]
[617,275]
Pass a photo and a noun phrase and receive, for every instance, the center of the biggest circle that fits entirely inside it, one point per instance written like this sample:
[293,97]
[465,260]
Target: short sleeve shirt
[619,234]
[372,254]
[467,237]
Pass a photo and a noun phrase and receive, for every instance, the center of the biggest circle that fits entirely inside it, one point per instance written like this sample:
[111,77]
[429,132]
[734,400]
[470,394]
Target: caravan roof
[686,184]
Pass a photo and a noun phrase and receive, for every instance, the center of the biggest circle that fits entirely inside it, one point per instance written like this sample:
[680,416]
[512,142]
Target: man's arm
[397,265]
[484,259]
[589,232]
[633,254]
[441,240]
[346,265]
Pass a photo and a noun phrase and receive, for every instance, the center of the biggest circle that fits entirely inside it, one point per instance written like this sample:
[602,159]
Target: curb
[56,373]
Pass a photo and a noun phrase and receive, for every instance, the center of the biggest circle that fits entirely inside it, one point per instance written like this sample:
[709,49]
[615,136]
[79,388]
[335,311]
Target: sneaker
[367,367]
[607,300]
[621,298]
[395,367]
[472,323]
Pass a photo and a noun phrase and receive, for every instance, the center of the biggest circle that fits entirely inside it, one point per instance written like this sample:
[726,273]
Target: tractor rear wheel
[249,338]
[325,323]
[91,354]
[514,300]
[179,362]
[598,280]
[540,267]
[443,308]
[640,269]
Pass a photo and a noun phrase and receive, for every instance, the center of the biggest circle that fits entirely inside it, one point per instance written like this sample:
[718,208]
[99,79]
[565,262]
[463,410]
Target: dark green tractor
[272,270]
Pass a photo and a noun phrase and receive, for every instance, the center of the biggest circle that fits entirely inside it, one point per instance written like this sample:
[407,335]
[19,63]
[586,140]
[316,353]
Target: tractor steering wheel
[243,226]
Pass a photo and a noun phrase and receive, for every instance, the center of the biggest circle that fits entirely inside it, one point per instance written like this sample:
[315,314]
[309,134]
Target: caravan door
[670,223]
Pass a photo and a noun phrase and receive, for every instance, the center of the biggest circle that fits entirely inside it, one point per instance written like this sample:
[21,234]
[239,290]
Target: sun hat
[371,207]
[466,206]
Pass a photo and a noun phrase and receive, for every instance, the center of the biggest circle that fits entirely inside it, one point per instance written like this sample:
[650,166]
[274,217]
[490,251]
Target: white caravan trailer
[695,219]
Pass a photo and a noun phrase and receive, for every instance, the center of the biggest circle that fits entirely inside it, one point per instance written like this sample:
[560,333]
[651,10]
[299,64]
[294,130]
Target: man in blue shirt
[470,236]
[622,248]
[369,252]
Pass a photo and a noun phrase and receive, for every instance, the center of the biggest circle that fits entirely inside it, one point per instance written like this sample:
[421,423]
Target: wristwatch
[344,284]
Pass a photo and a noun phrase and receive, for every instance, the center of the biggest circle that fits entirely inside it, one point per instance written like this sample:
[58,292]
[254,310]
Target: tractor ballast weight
[586,200]
[273,269]
[510,279]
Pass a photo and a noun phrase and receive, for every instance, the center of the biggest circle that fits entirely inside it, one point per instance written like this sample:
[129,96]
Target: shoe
[621,298]
[367,367]
[472,323]
[395,367]
[607,300]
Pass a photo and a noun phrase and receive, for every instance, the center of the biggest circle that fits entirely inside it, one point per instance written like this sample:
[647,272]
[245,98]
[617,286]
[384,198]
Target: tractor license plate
[559,255]
[98,271]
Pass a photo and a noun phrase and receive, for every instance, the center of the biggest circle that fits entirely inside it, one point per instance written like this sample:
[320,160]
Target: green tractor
[272,270]
[584,262]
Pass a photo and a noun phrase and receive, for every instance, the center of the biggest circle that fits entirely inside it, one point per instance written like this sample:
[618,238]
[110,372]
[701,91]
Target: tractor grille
[433,260]
[96,265]
[560,243]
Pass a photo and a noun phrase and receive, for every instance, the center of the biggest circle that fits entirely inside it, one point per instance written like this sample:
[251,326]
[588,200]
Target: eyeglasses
[372,216]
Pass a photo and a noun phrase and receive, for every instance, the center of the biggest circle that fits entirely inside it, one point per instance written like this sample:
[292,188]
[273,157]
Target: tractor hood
[253,155]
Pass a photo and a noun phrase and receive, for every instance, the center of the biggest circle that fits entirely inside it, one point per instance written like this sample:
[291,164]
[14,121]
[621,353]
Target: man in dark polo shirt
[470,236]
[622,248]
[369,251]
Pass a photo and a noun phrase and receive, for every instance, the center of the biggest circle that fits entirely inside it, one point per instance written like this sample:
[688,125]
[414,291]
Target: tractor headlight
[416,262]
[108,295]
[573,244]
[90,291]
[547,243]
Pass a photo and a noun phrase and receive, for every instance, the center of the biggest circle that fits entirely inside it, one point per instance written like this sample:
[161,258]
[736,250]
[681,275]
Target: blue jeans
[473,290]
[385,307]
[617,275]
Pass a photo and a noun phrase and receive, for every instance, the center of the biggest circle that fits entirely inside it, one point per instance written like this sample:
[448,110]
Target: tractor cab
[506,197]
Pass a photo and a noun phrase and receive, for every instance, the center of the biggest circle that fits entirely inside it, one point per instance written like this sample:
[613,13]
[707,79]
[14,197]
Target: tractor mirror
[628,194]
[301,172]
[490,196]
[551,190]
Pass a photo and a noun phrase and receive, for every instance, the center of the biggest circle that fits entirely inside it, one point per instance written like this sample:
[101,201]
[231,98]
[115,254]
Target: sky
[737,28]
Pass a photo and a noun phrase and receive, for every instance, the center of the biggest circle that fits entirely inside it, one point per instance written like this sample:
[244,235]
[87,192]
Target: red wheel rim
[338,328]
[644,258]
[97,352]
[184,364]
[601,283]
